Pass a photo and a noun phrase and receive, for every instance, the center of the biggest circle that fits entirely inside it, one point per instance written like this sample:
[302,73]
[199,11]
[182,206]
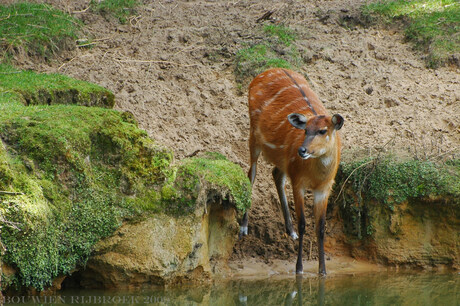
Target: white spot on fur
[270,145]
[322,151]
[259,93]
[319,196]
[326,161]
[327,138]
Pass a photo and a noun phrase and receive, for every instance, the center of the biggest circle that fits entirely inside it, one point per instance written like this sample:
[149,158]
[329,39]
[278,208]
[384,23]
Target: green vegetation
[32,88]
[36,30]
[432,24]
[364,185]
[389,181]
[121,9]
[277,50]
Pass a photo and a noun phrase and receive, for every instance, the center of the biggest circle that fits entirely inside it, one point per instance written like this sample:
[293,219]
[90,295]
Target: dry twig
[11,193]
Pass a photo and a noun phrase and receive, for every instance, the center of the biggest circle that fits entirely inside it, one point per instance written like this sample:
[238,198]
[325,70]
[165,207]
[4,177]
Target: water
[361,289]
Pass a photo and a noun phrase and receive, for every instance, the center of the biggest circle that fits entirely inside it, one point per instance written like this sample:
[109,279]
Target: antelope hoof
[243,231]
[299,268]
[294,236]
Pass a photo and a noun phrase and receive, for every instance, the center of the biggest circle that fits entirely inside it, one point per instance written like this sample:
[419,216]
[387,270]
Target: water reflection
[376,289]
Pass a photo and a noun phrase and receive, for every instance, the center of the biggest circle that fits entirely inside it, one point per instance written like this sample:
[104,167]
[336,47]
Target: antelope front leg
[320,205]
[280,182]
[300,213]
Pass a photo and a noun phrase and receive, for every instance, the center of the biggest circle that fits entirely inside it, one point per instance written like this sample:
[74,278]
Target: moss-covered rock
[71,175]
[211,172]
[401,212]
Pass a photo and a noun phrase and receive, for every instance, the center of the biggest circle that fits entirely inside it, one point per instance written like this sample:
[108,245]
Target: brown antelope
[292,128]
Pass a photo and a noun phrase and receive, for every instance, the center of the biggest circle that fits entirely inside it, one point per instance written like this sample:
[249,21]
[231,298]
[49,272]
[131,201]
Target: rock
[164,249]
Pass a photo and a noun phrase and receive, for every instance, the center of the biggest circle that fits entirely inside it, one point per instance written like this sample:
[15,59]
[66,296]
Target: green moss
[214,169]
[47,89]
[36,29]
[75,171]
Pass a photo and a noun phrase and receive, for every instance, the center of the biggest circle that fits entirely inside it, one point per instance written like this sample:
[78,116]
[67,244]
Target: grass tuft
[433,25]
[121,9]
[284,34]
[31,88]
[276,51]
[36,30]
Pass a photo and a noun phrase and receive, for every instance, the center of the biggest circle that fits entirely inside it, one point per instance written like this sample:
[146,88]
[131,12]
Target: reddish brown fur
[273,95]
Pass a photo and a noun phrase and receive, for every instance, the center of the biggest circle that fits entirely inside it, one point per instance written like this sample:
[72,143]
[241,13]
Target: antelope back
[276,94]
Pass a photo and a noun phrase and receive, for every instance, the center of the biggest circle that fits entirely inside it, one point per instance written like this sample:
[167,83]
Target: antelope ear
[299,121]
[337,121]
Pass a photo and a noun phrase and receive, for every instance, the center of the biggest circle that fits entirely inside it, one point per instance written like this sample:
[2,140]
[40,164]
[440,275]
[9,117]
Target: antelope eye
[322,132]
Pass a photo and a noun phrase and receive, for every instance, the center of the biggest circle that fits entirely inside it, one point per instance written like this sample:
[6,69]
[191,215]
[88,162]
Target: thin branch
[346,180]
[11,224]
[82,11]
[4,18]
[11,193]
[155,62]
[88,44]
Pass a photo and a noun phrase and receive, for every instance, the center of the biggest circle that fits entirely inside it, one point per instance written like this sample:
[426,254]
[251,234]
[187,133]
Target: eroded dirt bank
[172,67]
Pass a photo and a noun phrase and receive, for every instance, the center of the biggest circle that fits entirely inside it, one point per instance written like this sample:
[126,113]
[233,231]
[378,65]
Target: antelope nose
[302,151]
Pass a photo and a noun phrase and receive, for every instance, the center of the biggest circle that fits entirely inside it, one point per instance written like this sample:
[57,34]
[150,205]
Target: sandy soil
[172,67]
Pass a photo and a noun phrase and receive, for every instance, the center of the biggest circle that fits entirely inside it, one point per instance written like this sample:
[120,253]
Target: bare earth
[172,67]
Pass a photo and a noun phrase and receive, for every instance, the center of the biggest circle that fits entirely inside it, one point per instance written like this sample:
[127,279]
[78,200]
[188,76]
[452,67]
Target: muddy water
[359,289]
